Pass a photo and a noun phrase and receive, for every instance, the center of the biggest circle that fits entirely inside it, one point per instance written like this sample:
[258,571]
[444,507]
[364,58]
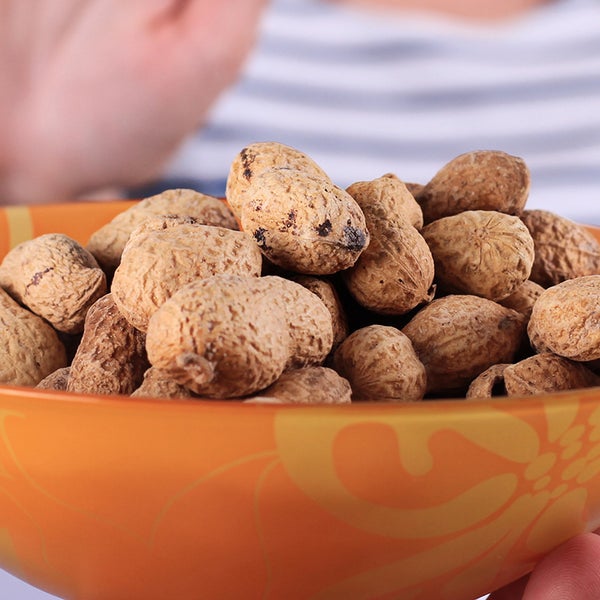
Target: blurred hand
[571,572]
[98,93]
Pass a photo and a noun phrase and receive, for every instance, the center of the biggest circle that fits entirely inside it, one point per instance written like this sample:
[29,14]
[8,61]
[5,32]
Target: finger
[169,10]
[569,573]
[195,12]
[204,46]
[225,24]
[202,15]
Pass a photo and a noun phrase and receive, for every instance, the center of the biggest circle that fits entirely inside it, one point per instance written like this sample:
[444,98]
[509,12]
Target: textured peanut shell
[565,319]
[309,321]
[157,384]
[55,277]
[477,180]
[309,385]
[381,365]
[388,191]
[222,337]
[523,298]
[481,252]
[107,243]
[57,380]
[111,357]
[546,373]
[457,337]
[165,253]
[415,189]
[394,274]
[327,293]
[255,159]
[488,384]
[230,336]
[563,249]
[538,374]
[303,223]
[30,348]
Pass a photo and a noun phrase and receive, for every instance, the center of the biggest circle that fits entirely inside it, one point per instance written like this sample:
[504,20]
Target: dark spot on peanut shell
[354,238]
[289,222]
[259,236]
[505,323]
[324,229]
[247,160]
[37,277]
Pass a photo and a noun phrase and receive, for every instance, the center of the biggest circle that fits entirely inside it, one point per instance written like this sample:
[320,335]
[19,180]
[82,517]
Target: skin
[568,573]
[97,93]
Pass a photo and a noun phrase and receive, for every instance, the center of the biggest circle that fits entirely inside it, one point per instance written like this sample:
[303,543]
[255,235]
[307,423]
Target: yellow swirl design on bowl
[20,224]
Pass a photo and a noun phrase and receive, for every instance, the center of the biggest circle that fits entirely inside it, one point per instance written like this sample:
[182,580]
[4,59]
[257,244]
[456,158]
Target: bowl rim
[474,407]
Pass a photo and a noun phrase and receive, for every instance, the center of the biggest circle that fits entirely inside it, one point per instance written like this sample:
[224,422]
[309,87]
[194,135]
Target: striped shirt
[364,95]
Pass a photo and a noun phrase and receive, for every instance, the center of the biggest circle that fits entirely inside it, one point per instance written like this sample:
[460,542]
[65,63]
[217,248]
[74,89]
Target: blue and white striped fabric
[365,94]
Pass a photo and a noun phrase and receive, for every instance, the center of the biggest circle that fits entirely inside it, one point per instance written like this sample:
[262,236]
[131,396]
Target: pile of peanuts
[295,290]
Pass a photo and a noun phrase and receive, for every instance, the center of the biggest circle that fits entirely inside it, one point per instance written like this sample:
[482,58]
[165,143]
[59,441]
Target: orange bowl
[129,498]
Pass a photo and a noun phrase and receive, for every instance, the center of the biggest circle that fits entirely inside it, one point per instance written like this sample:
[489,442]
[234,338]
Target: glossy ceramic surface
[121,498]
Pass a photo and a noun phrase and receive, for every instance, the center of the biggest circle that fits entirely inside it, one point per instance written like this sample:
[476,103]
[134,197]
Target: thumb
[571,572]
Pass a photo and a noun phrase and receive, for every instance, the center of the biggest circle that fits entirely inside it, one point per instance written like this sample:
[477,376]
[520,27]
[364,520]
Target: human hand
[97,93]
[571,572]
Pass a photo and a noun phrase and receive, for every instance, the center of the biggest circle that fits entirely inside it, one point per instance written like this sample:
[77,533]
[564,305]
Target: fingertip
[568,573]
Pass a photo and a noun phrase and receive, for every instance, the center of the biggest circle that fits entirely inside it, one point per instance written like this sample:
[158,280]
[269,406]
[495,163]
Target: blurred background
[366,92]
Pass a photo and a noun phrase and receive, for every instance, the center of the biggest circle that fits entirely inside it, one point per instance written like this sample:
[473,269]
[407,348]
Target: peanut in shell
[388,191]
[459,336]
[394,274]
[57,380]
[157,384]
[563,249]
[166,253]
[381,365]
[543,373]
[476,180]
[523,298]
[55,277]
[228,336]
[565,319]
[303,223]
[309,320]
[480,252]
[327,293]
[488,384]
[308,385]
[111,356]
[546,373]
[107,243]
[30,348]
[255,159]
